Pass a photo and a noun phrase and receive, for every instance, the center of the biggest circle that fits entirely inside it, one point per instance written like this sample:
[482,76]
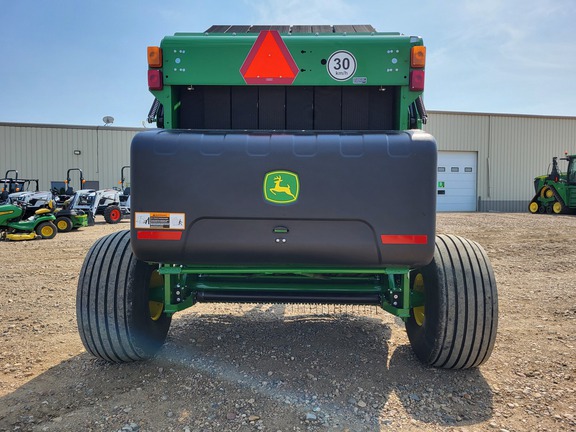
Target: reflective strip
[404,239]
[159,235]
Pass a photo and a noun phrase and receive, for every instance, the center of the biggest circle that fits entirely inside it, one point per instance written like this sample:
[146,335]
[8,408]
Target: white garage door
[456,181]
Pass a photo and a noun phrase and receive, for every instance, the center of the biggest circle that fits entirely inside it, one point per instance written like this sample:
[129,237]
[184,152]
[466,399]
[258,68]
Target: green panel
[571,196]
[216,60]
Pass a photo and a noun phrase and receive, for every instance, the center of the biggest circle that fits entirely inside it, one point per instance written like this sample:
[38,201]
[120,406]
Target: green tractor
[555,193]
[284,142]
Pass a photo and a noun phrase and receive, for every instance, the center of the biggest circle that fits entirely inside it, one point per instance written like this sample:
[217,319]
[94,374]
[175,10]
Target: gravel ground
[294,367]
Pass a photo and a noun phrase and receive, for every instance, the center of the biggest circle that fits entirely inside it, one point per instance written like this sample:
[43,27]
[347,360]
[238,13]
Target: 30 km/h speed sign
[341,65]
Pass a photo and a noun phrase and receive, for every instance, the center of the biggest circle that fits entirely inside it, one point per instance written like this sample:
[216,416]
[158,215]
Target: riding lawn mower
[14,227]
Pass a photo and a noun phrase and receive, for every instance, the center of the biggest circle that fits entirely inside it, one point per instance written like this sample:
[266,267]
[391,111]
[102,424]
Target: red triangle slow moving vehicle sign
[269,61]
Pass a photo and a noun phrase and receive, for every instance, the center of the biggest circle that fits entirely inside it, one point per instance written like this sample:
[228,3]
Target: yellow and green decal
[281,187]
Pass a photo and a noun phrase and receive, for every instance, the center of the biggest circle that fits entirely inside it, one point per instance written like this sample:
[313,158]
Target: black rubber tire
[112,214]
[112,303]
[46,230]
[63,224]
[461,306]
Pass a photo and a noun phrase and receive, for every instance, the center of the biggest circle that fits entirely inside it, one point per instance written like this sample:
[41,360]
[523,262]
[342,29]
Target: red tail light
[404,239]
[417,80]
[155,79]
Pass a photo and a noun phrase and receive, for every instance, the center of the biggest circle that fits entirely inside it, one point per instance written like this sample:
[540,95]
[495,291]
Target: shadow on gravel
[438,396]
[263,369]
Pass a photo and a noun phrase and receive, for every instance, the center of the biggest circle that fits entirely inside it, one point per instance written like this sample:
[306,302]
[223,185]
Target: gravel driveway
[294,367]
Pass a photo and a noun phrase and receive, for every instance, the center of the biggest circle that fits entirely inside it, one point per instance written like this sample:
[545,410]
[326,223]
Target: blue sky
[74,62]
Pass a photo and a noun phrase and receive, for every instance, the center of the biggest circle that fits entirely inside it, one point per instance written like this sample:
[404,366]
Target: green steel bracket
[397,300]
[407,98]
[177,294]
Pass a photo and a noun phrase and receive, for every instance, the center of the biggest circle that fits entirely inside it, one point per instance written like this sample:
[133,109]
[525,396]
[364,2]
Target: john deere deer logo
[281,187]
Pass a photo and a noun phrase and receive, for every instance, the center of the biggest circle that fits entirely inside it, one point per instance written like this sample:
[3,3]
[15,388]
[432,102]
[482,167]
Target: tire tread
[105,302]
[470,288]
[466,307]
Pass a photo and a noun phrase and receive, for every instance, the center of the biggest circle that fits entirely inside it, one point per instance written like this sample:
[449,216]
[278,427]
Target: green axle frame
[391,286]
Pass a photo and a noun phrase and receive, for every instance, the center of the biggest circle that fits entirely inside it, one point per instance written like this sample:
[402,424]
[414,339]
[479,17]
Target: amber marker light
[154,56]
[418,56]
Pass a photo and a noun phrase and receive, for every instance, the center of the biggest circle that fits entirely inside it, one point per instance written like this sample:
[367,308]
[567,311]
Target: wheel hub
[419,311]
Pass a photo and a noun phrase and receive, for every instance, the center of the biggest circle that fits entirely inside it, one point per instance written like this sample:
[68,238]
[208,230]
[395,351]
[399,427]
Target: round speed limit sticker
[341,65]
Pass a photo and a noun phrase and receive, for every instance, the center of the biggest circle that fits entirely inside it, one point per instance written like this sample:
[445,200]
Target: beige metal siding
[522,148]
[511,149]
[114,153]
[46,152]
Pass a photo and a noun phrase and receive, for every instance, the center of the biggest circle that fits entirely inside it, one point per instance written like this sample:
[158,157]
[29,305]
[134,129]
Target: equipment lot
[298,367]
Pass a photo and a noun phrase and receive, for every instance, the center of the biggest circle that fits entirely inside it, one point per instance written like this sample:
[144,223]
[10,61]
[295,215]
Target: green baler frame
[205,84]
[205,59]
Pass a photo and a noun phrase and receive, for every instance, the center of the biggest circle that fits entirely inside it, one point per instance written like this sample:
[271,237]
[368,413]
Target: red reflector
[269,61]
[417,80]
[155,79]
[159,235]
[404,239]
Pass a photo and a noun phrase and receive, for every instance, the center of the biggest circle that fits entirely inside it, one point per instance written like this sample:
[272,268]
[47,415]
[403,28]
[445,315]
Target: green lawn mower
[68,219]
[14,227]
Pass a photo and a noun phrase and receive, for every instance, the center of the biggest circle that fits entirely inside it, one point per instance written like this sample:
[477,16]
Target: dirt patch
[290,368]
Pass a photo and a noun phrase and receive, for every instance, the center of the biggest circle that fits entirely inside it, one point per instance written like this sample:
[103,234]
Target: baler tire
[63,224]
[460,306]
[112,303]
[112,214]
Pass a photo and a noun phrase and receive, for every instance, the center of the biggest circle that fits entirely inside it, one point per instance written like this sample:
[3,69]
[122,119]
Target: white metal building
[46,152]
[486,162]
[504,153]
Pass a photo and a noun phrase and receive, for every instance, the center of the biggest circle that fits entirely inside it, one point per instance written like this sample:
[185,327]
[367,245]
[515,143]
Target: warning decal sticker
[172,221]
